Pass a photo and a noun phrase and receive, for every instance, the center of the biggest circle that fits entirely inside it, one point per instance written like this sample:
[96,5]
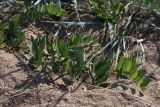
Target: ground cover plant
[77,55]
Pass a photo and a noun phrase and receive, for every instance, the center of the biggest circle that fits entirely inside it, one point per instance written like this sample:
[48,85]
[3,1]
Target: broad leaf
[101,79]
[52,9]
[127,66]
[100,73]
[140,81]
[140,75]
[120,64]
[134,75]
[144,83]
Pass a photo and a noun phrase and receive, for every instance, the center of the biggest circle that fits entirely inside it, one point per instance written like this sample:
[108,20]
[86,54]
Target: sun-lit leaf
[140,81]
[134,75]
[52,9]
[127,66]
[120,64]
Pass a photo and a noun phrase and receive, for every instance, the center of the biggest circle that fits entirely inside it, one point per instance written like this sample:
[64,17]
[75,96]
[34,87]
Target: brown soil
[19,88]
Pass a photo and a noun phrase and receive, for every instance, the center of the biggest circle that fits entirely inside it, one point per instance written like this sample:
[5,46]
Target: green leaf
[100,71]
[79,40]
[63,48]
[56,66]
[68,66]
[17,41]
[52,9]
[79,58]
[21,38]
[120,64]
[14,23]
[42,42]
[80,66]
[140,75]
[127,66]
[133,68]
[139,82]
[31,15]
[38,59]
[145,83]
[34,46]
[50,44]
[37,46]
[134,75]
[101,79]
[113,9]
[75,40]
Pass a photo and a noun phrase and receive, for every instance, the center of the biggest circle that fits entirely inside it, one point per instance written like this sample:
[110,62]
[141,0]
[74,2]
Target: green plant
[99,72]
[65,56]
[75,63]
[66,53]
[41,11]
[15,37]
[36,48]
[17,41]
[53,9]
[114,9]
[82,41]
[31,15]
[14,24]
[129,67]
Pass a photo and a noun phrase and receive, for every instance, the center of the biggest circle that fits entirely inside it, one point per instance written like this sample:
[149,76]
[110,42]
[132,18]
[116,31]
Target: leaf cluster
[114,9]
[129,67]
[65,56]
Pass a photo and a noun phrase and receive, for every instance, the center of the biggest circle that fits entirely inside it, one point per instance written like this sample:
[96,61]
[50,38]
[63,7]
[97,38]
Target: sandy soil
[18,88]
